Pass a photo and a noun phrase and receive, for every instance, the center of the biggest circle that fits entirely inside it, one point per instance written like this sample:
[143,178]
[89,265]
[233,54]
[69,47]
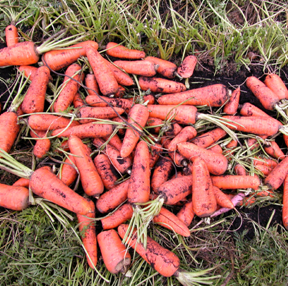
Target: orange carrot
[155,151]
[203,197]
[58,59]
[273,149]
[217,163]
[162,85]
[165,68]
[212,95]
[276,84]
[151,122]
[232,105]
[29,71]
[285,203]
[106,171]
[184,135]
[121,92]
[90,179]
[114,141]
[173,129]
[264,161]
[77,100]
[91,84]
[240,170]
[22,182]
[249,109]
[14,197]
[137,117]
[150,98]
[68,172]
[168,220]
[187,67]
[236,182]
[121,215]
[88,234]
[41,146]
[119,51]
[113,198]
[216,149]
[138,67]
[186,213]
[115,256]
[11,35]
[70,88]
[139,187]
[104,76]
[222,199]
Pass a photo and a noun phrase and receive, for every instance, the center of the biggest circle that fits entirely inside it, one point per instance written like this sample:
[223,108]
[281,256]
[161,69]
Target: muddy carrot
[187,67]
[186,134]
[222,199]
[114,141]
[154,124]
[41,146]
[273,149]
[138,67]
[232,105]
[78,101]
[11,35]
[68,172]
[276,84]
[186,213]
[155,151]
[163,67]
[91,84]
[240,170]
[162,85]
[121,52]
[172,129]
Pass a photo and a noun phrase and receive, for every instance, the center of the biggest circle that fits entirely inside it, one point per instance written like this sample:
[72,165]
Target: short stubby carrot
[156,84]
[186,134]
[90,179]
[276,84]
[232,105]
[58,59]
[68,172]
[11,35]
[162,260]
[186,213]
[42,145]
[138,67]
[118,217]
[14,197]
[114,253]
[212,95]
[163,67]
[217,163]
[285,203]
[187,67]
[121,52]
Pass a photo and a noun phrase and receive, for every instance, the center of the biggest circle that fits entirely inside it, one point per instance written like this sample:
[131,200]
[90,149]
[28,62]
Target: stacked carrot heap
[135,144]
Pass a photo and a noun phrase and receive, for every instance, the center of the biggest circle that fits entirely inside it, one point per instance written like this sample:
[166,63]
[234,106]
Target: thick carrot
[78,101]
[232,105]
[138,67]
[169,220]
[186,134]
[58,59]
[106,171]
[121,52]
[47,185]
[163,67]
[29,71]
[217,163]
[114,253]
[11,35]
[248,109]
[118,217]
[137,117]
[49,122]
[68,172]
[236,182]
[162,260]
[276,84]
[139,187]
[113,198]
[240,170]
[265,95]
[91,84]
[22,182]
[88,130]
[156,84]
[149,98]
[90,179]
[14,197]
[187,67]
[216,149]
[42,145]
[69,88]
[88,234]
[104,76]
[285,203]
[203,197]
[186,213]
[114,141]
[222,199]
[213,95]
[273,149]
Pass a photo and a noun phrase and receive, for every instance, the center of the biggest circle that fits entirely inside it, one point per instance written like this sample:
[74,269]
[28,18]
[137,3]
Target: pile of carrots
[137,154]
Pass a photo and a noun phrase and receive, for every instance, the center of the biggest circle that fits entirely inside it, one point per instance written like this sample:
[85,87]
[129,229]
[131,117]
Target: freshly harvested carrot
[114,141]
[169,220]
[106,171]
[156,84]
[68,172]
[118,217]
[104,76]
[230,149]
[77,100]
[29,71]
[249,109]
[155,151]
[186,213]
[70,88]
[161,173]
[87,113]
[35,96]
[172,129]
[22,182]
[114,253]
[186,69]
[91,84]
[207,139]
[90,179]
[149,98]
[213,95]
[58,59]
[276,84]
[139,187]
[11,35]
[151,122]
[137,117]
[285,203]
[222,199]
[121,52]
[217,163]
[240,170]
[273,149]
[216,149]
[264,165]
[265,95]
[165,68]
[88,130]
[42,145]
[14,197]
[113,198]
[236,182]
[232,105]
[186,134]
[265,170]
[49,122]
[247,201]
[138,67]
[121,92]
[203,197]
[88,234]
